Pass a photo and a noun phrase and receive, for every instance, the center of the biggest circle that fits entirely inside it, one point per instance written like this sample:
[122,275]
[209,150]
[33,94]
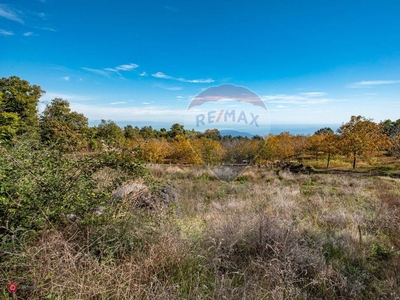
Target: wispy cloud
[126,113]
[51,95]
[6,33]
[371,83]
[47,29]
[29,33]
[173,88]
[170,88]
[143,74]
[41,15]
[116,103]
[10,14]
[67,78]
[314,94]
[97,71]
[108,71]
[127,67]
[311,98]
[161,75]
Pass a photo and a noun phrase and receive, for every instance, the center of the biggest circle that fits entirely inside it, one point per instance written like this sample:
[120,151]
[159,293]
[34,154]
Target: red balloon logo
[12,287]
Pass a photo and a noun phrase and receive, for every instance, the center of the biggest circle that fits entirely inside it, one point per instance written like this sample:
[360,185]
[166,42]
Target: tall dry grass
[263,236]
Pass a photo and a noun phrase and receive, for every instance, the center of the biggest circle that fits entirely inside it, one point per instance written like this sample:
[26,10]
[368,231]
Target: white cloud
[127,67]
[147,103]
[300,99]
[107,71]
[6,33]
[174,88]
[48,29]
[116,103]
[143,74]
[280,106]
[164,76]
[29,33]
[161,75]
[10,14]
[67,78]
[371,83]
[170,88]
[138,114]
[111,70]
[97,71]
[52,95]
[314,94]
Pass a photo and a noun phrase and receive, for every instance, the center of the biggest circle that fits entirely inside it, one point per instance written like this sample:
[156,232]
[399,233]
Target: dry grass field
[263,236]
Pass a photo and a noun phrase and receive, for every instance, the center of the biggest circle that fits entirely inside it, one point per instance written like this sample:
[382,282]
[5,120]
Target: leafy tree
[299,144]
[395,138]
[176,130]
[392,129]
[110,133]
[153,150]
[212,134]
[314,144]
[181,151]
[257,137]
[9,122]
[147,132]
[209,150]
[279,146]
[162,133]
[63,127]
[19,100]
[239,150]
[130,132]
[323,131]
[362,137]
[329,144]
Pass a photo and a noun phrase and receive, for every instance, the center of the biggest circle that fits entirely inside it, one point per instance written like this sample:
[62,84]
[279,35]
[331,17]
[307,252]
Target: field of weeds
[265,235]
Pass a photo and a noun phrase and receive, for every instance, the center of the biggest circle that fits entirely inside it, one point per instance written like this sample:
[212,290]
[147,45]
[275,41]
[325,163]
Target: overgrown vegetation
[82,217]
[263,236]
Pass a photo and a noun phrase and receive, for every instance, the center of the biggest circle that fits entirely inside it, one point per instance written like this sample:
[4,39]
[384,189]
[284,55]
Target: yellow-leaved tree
[154,151]
[278,147]
[361,137]
[209,150]
[182,151]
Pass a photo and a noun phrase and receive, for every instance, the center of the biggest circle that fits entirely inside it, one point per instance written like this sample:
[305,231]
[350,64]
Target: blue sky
[142,62]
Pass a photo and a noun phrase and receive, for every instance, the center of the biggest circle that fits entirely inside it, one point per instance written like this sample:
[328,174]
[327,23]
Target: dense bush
[43,189]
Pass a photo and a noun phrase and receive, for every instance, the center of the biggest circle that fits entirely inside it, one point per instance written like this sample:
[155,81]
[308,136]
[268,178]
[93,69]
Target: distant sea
[274,128]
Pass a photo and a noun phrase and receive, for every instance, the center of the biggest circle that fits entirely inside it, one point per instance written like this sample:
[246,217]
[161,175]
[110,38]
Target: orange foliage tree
[362,137]
[154,150]
[208,150]
[278,147]
[182,151]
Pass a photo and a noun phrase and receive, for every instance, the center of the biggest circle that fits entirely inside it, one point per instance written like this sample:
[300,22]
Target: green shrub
[41,189]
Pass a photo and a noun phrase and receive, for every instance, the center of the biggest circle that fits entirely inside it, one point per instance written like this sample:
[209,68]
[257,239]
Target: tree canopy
[19,106]
[362,137]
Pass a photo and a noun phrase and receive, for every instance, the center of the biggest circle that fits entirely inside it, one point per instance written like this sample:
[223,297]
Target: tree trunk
[329,160]
[354,160]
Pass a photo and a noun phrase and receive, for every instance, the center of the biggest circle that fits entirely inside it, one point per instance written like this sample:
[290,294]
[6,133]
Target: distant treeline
[68,131]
